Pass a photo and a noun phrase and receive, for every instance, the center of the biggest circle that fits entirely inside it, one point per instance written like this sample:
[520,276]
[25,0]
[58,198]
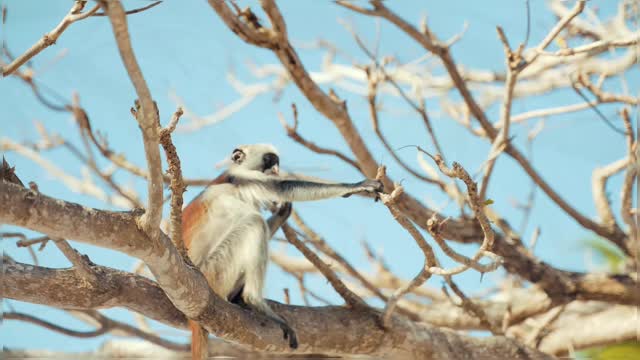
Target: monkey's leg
[255,271]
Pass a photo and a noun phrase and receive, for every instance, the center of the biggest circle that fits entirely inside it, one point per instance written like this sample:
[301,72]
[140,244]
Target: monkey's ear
[238,156]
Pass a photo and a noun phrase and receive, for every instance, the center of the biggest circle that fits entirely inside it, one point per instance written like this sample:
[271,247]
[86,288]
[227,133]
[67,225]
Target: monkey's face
[258,157]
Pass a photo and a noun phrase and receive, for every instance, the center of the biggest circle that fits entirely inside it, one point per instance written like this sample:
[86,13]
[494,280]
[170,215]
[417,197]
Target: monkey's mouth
[274,170]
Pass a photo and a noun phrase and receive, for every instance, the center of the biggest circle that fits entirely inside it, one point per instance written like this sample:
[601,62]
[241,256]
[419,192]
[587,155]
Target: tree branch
[324,329]
[147,117]
[176,185]
[349,297]
[50,38]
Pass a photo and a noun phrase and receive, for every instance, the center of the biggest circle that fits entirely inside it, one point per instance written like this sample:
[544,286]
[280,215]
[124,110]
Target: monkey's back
[209,224]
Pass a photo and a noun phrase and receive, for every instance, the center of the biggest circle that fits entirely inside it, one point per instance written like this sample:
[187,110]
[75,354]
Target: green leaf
[612,255]
[626,350]
[488,202]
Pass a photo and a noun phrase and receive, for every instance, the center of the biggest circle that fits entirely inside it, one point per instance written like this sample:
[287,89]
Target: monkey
[227,238]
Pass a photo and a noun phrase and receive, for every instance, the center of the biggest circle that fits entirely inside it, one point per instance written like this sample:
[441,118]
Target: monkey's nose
[270,160]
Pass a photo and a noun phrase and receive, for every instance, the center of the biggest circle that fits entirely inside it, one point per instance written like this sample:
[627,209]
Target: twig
[595,46]
[84,125]
[75,14]
[177,182]
[120,160]
[501,140]
[134,11]
[105,325]
[376,128]
[534,239]
[51,326]
[430,259]
[114,325]
[8,173]
[81,263]
[373,80]
[630,176]
[24,242]
[42,240]
[537,333]
[77,185]
[457,171]
[322,245]
[292,132]
[599,95]
[474,309]
[434,227]
[599,183]
[349,297]
[287,298]
[562,23]
[373,112]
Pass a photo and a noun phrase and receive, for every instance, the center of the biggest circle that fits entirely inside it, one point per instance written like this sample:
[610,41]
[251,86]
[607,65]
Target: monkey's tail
[199,341]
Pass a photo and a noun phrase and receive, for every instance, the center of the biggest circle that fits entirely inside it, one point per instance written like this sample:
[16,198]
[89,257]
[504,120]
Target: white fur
[231,248]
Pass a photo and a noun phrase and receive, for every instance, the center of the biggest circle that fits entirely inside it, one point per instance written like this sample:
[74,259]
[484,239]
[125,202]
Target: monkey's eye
[237,156]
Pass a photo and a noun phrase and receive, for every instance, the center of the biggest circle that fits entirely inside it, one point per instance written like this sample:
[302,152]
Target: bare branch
[471,307]
[292,132]
[435,228]
[177,185]
[10,315]
[134,11]
[50,38]
[513,60]
[477,206]
[562,23]
[595,46]
[430,259]
[147,117]
[349,297]
[373,112]
[581,331]
[81,263]
[322,245]
[599,181]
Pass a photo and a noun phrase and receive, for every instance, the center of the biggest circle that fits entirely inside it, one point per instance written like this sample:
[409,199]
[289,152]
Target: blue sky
[184,48]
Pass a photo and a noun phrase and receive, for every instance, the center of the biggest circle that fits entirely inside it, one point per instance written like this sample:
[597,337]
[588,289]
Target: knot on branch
[334,97]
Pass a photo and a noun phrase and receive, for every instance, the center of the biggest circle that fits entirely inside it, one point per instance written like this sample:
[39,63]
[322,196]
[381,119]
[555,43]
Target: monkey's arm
[300,190]
[278,218]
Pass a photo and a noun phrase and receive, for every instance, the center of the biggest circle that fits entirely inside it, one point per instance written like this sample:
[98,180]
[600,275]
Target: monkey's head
[257,157]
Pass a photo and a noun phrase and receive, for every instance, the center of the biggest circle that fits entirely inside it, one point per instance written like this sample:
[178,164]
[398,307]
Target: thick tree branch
[185,286]
[612,325]
[65,288]
[328,330]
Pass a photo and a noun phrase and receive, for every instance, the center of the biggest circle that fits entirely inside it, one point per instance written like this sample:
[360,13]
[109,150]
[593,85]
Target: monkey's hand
[284,210]
[371,186]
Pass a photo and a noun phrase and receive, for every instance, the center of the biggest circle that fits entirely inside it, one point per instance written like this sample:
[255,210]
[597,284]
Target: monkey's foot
[290,334]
